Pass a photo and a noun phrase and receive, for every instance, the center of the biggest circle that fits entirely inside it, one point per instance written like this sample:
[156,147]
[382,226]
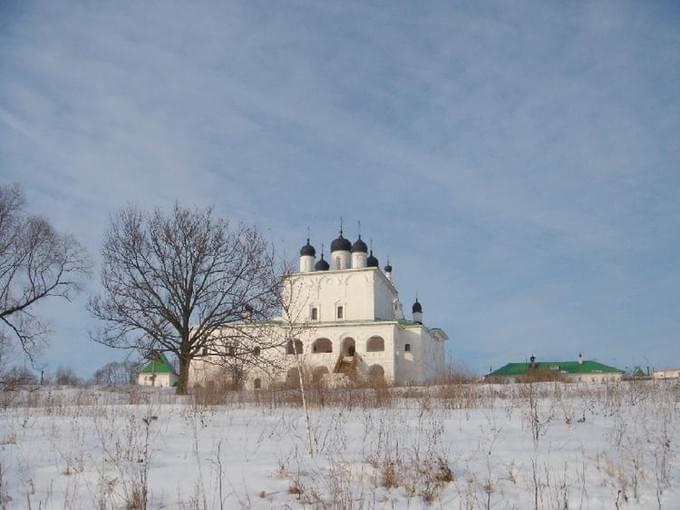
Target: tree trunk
[183,381]
[308,424]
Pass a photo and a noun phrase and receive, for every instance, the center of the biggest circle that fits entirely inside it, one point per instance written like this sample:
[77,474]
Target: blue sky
[518,161]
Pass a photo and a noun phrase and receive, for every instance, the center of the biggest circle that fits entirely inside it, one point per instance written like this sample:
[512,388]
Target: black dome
[307,250]
[371,261]
[341,244]
[388,268]
[417,308]
[359,246]
[321,265]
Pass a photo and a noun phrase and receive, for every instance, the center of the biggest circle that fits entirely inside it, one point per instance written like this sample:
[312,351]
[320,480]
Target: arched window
[348,346]
[256,351]
[376,372]
[407,347]
[315,313]
[375,344]
[292,348]
[257,383]
[322,345]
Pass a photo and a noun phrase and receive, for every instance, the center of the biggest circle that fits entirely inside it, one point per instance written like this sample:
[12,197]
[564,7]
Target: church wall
[360,333]
[351,289]
[424,362]
[212,369]
[201,371]
[359,296]
[434,358]
[384,298]
[407,366]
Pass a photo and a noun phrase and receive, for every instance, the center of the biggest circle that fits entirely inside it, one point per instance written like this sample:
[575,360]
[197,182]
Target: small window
[256,351]
[407,347]
[231,351]
[337,263]
[205,351]
[257,383]
[340,312]
[315,313]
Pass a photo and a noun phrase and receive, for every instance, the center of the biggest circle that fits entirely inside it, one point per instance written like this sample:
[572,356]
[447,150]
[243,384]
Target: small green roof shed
[159,364]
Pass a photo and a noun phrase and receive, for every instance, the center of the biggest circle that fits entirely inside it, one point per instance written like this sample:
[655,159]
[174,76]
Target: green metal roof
[161,365]
[568,367]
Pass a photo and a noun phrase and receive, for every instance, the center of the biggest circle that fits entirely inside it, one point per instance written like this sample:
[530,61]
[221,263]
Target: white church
[353,324]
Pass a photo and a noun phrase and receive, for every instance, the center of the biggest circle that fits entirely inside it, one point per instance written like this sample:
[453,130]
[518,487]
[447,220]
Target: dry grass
[403,447]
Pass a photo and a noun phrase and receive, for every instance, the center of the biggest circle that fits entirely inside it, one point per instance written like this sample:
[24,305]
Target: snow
[590,446]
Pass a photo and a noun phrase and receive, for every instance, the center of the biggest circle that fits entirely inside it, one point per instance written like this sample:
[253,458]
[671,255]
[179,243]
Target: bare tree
[294,303]
[117,372]
[18,376]
[36,263]
[184,283]
[245,345]
[66,376]
[6,354]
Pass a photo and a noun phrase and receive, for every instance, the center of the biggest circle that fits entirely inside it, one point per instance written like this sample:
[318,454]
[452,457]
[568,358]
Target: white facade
[595,377]
[348,320]
[668,373]
[589,377]
[163,380]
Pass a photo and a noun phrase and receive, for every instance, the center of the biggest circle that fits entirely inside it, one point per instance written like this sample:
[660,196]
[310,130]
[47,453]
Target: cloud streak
[517,162]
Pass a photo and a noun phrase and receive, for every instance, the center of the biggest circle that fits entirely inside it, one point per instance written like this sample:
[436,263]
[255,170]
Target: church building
[352,323]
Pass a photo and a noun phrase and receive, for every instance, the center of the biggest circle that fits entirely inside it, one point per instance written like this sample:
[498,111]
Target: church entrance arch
[349,346]
[376,373]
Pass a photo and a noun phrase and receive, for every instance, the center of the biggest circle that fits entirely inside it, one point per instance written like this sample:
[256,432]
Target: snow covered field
[548,445]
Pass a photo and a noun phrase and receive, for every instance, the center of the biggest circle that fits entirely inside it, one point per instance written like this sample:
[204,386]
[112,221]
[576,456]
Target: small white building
[666,373]
[158,372]
[351,324]
[580,370]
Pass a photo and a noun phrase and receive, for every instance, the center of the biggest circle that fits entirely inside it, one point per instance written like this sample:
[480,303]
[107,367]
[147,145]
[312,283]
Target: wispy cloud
[518,161]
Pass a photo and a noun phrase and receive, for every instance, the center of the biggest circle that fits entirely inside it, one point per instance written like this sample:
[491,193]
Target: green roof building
[158,372]
[576,371]
[638,373]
